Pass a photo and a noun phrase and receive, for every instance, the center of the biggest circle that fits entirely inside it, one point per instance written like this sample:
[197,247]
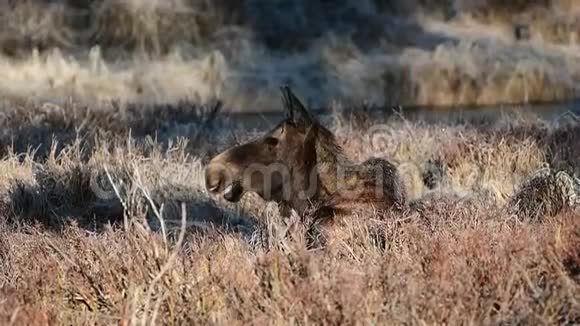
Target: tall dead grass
[156,26]
[464,268]
[91,232]
[388,52]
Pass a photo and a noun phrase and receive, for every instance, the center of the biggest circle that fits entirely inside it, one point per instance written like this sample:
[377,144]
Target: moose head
[279,166]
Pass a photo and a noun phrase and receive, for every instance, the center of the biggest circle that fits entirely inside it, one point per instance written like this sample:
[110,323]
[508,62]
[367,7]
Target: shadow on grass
[42,127]
[62,198]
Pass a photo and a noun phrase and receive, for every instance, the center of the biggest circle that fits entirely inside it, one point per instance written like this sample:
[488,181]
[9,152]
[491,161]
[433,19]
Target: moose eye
[271,141]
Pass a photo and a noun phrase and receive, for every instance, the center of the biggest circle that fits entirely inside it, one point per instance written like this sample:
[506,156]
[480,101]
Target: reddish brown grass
[460,263]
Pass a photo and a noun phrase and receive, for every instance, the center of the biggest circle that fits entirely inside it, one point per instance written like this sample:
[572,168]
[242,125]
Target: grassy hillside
[455,52]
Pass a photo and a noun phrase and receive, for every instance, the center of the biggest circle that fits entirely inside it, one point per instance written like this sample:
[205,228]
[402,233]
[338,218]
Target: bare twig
[118,194]
[170,261]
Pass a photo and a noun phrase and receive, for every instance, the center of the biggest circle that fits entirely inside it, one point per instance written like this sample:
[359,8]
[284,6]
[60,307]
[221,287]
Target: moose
[300,166]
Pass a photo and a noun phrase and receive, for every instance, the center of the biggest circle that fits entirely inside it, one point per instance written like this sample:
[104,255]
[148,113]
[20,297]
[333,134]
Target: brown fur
[317,176]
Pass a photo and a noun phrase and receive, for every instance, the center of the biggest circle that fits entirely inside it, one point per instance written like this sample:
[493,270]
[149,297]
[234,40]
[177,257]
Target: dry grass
[460,52]
[72,255]
[155,26]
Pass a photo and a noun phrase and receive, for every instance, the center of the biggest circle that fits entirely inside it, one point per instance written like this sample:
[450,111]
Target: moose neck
[329,157]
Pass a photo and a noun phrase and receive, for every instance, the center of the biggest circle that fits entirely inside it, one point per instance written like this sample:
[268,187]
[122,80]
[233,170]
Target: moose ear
[289,108]
[296,110]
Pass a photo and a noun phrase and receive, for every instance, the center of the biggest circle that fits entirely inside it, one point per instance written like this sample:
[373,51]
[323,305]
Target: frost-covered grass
[456,52]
